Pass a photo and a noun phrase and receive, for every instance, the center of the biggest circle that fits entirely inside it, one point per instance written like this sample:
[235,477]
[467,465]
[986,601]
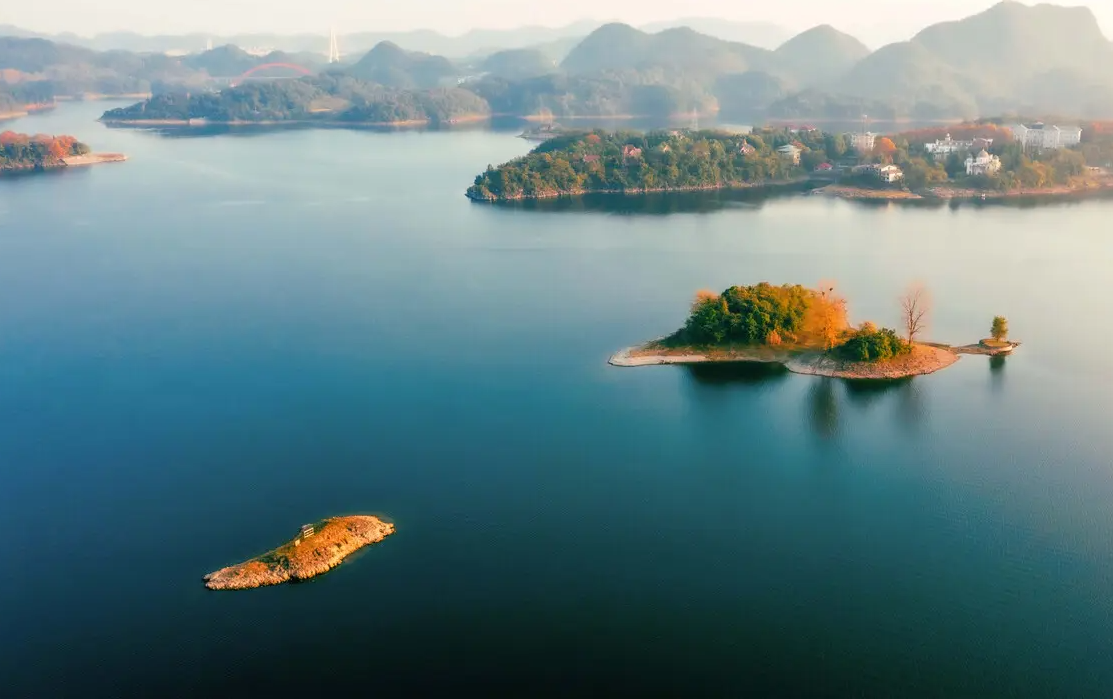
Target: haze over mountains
[1040,59]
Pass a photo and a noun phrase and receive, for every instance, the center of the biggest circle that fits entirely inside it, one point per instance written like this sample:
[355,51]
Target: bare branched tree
[915,306]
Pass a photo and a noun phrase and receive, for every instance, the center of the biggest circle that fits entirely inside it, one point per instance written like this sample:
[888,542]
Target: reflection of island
[23,153]
[317,549]
[807,332]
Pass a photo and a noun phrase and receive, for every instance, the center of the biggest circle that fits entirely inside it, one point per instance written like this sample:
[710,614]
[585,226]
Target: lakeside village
[989,158]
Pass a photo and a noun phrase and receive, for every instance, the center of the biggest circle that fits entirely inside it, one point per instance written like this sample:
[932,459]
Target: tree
[915,306]
[885,148]
[1000,329]
[826,316]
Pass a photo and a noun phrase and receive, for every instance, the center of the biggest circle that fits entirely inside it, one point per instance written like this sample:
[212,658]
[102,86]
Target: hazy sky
[892,19]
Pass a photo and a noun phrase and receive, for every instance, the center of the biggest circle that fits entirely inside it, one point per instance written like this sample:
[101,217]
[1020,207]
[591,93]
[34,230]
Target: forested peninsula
[622,162]
[321,99]
[24,153]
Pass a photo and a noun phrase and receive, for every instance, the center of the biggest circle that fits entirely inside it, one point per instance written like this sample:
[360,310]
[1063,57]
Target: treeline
[71,70]
[23,152]
[624,161]
[324,97]
[15,97]
[789,317]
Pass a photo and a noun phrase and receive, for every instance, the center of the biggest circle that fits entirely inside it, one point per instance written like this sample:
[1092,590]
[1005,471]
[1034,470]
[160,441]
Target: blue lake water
[227,337]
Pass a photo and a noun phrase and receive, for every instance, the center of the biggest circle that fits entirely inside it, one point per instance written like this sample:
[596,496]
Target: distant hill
[390,65]
[519,64]
[473,42]
[819,55]
[73,70]
[622,47]
[761,34]
[223,61]
[1007,56]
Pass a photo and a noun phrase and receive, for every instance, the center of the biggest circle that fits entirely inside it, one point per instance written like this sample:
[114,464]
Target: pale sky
[893,19]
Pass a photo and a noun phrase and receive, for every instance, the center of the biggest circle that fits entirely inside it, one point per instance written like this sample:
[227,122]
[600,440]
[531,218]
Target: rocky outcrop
[316,550]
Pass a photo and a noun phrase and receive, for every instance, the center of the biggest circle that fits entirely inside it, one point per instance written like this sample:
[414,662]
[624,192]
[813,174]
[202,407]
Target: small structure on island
[631,152]
[983,164]
[306,532]
[885,173]
[790,153]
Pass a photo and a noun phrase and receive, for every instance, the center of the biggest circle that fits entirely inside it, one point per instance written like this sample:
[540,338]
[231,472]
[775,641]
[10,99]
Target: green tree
[1000,329]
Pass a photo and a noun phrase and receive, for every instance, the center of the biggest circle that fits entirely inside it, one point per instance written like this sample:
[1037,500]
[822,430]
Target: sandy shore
[844,192]
[306,556]
[94,159]
[924,359]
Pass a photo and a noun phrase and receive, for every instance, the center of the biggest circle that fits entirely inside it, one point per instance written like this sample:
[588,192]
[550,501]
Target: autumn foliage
[20,151]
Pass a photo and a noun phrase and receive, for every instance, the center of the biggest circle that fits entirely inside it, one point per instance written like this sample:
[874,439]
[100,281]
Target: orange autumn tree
[885,148]
[826,317]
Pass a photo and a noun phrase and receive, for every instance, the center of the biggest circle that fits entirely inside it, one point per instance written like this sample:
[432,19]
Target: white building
[862,142]
[948,145]
[791,153]
[1040,136]
[983,164]
[886,173]
[890,174]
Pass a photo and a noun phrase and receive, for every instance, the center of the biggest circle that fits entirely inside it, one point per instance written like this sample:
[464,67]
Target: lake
[227,337]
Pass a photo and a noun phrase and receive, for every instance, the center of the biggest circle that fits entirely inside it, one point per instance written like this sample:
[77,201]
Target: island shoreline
[317,549]
[926,358]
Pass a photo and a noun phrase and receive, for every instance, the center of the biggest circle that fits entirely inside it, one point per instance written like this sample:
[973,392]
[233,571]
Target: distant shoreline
[324,123]
[948,193]
[557,194]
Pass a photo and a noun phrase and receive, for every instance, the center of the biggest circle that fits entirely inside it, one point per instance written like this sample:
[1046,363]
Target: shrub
[872,345]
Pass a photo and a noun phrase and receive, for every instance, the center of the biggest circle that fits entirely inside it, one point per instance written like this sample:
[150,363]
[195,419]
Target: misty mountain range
[476,42]
[1044,59]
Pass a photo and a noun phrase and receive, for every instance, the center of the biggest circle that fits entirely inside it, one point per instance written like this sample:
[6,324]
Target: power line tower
[333,47]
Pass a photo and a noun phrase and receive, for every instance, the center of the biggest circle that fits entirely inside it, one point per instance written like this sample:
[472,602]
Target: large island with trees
[631,162]
[982,159]
[807,331]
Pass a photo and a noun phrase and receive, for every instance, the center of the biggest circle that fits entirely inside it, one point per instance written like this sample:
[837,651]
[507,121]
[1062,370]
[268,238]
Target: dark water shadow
[997,374]
[823,408]
[658,203]
[865,394]
[828,399]
[724,375]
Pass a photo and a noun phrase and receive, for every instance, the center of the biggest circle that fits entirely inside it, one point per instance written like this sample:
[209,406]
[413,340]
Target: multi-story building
[862,142]
[1040,136]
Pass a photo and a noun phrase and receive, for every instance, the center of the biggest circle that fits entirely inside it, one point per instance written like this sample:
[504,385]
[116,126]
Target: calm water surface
[227,337]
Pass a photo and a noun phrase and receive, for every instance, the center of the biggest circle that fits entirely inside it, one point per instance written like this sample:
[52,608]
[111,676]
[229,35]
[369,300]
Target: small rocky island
[807,331]
[23,153]
[316,549]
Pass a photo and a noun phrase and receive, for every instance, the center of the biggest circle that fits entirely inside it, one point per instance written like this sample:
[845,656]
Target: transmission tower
[333,47]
